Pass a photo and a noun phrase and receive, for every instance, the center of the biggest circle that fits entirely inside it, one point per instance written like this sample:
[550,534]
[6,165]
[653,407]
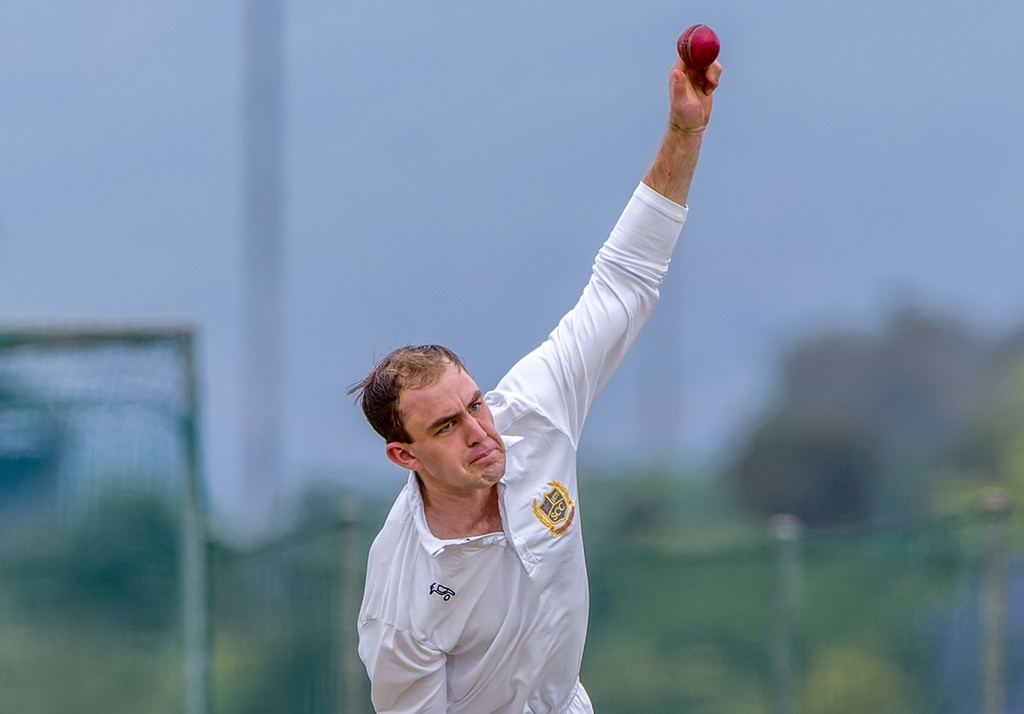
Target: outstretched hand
[690,92]
[690,95]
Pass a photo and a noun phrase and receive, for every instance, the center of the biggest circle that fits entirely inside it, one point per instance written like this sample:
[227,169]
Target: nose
[475,432]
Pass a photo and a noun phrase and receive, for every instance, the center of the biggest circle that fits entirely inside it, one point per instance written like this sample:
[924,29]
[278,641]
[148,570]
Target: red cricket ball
[698,46]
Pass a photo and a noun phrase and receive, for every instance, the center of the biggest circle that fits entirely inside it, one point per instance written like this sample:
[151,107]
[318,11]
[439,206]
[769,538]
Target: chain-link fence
[776,620]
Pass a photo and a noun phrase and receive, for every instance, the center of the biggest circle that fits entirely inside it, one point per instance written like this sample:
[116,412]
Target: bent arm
[405,676]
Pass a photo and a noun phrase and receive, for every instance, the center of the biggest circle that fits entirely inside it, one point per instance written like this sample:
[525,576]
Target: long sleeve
[567,372]
[407,677]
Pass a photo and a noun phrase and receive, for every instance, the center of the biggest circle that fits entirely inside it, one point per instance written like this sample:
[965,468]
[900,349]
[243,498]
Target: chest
[478,592]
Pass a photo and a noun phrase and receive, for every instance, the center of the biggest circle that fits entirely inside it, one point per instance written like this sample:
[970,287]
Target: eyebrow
[441,421]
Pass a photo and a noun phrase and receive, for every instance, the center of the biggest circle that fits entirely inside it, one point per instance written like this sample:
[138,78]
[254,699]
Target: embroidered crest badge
[555,510]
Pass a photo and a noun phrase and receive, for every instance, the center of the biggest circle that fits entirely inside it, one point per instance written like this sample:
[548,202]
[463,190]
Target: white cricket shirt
[496,624]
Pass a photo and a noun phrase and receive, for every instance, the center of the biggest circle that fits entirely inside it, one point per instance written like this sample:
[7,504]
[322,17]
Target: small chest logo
[555,510]
[445,592]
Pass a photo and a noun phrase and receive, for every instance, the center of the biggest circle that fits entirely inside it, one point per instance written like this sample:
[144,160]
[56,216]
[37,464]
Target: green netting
[96,450]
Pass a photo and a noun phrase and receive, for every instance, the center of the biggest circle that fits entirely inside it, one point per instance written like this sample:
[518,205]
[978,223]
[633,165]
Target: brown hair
[410,367]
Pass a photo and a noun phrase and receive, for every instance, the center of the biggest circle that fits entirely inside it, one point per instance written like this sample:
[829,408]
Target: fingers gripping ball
[698,46]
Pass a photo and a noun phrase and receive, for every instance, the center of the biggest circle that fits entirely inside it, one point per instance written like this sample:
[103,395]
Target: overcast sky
[451,167]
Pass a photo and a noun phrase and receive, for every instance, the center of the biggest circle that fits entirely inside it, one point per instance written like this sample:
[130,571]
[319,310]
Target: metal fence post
[351,698]
[786,531]
[996,507]
[195,584]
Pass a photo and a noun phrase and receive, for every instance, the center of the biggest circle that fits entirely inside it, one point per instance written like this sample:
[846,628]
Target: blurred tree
[992,452]
[996,444]
[862,421]
[823,473]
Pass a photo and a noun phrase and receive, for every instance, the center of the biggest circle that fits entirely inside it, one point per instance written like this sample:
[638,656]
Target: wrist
[677,126]
[672,169]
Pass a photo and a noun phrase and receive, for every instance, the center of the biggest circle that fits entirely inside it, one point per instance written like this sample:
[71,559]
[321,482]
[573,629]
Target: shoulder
[394,567]
[394,547]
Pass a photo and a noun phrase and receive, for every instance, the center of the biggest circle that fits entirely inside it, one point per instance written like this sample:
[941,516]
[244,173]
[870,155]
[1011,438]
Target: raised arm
[565,374]
[690,99]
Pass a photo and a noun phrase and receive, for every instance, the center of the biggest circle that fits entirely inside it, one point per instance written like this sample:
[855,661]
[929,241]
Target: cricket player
[476,597]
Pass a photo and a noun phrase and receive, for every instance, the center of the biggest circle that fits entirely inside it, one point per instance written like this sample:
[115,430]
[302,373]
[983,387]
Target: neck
[460,515]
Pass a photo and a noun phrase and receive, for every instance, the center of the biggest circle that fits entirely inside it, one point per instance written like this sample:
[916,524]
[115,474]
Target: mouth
[488,455]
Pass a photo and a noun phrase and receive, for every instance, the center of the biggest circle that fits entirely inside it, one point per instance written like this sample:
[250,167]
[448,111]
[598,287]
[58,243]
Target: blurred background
[806,478]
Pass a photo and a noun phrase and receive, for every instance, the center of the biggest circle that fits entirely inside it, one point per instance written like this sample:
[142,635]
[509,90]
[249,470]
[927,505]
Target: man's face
[455,447]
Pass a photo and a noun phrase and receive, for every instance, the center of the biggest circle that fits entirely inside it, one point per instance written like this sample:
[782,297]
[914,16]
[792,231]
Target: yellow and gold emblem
[555,510]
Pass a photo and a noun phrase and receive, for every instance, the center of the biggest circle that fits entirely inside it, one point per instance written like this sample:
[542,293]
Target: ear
[399,454]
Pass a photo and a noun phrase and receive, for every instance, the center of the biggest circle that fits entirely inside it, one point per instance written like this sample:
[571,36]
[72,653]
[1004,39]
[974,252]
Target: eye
[447,427]
[475,407]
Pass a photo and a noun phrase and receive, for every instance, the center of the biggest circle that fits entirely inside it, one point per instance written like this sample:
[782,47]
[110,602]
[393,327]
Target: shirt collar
[432,543]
